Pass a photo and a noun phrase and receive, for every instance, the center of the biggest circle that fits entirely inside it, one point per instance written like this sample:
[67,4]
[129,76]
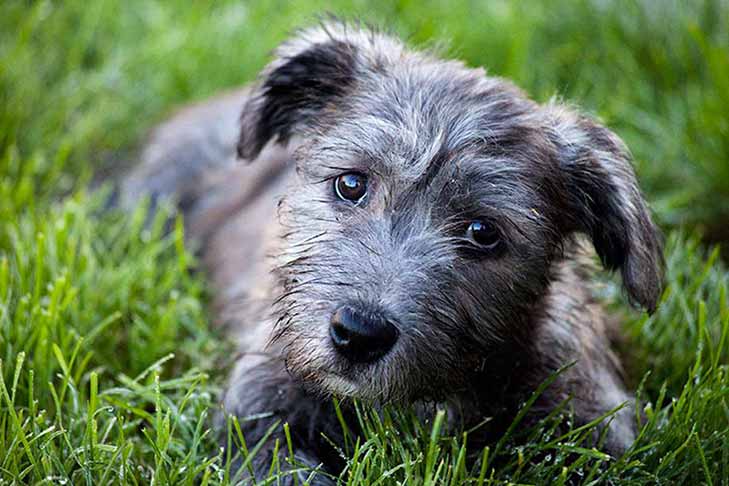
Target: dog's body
[458,278]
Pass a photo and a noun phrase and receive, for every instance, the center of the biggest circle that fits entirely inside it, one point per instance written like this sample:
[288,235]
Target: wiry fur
[442,145]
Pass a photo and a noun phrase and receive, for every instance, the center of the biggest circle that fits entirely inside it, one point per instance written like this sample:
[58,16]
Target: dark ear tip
[240,151]
[247,149]
[649,303]
[650,306]
[645,290]
[244,152]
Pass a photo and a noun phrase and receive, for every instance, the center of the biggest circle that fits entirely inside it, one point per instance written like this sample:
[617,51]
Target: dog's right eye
[351,187]
[484,234]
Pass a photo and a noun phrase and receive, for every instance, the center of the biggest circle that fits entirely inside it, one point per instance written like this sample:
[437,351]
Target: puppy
[409,230]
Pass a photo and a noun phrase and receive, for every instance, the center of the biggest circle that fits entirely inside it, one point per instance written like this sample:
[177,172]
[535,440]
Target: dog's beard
[325,374]
[390,380]
[408,373]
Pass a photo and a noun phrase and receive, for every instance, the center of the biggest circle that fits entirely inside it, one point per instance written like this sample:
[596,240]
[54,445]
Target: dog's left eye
[484,234]
[351,186]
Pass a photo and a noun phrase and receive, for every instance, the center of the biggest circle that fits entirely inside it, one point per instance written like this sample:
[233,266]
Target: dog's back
[189,162]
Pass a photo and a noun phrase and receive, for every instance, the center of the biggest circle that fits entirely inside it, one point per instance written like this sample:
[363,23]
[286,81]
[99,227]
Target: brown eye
[484,234]
[351,186]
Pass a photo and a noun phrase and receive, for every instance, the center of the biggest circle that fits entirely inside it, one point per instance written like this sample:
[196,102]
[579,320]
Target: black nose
[361,337]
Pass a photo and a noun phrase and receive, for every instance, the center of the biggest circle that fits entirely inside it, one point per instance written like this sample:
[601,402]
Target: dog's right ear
[605,202]
[310,72]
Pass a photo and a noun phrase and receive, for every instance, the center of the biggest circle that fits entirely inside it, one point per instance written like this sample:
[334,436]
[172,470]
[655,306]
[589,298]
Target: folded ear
[605,202]
[310,72]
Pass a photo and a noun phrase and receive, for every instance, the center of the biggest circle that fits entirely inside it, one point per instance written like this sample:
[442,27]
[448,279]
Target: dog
[406,230]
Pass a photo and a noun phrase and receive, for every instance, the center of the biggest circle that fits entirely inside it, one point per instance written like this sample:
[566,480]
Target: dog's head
[430,206]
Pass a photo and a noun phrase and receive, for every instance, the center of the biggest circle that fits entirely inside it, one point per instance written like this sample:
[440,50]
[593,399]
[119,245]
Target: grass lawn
[109,371]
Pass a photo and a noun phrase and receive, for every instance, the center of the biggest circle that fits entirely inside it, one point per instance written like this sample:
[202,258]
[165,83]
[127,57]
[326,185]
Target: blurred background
[104,338]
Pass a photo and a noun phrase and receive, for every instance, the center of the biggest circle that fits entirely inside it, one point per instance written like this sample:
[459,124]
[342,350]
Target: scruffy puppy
[409,230]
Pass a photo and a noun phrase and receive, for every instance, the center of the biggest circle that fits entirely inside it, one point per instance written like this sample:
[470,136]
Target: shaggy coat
[477,327]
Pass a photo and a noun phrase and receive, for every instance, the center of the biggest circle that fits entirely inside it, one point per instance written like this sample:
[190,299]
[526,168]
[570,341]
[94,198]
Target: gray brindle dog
[408,230]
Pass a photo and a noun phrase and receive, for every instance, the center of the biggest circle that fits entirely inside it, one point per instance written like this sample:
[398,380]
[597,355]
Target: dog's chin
[366,388]
[341,386]
[326,375]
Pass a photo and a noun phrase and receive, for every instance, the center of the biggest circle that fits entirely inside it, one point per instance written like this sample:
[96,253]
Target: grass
[109,371]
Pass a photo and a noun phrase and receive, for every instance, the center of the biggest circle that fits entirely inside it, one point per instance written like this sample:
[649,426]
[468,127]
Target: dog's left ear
[312,72]
[605,202]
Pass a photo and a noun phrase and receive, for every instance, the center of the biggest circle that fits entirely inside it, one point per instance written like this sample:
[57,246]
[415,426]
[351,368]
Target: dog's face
[429,208]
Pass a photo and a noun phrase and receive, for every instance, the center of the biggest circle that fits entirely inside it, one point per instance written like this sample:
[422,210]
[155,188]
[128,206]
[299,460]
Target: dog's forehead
[417,122]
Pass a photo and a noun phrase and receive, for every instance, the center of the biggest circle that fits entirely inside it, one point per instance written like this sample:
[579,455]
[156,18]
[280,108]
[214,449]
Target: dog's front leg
[261,393]
[593,383]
